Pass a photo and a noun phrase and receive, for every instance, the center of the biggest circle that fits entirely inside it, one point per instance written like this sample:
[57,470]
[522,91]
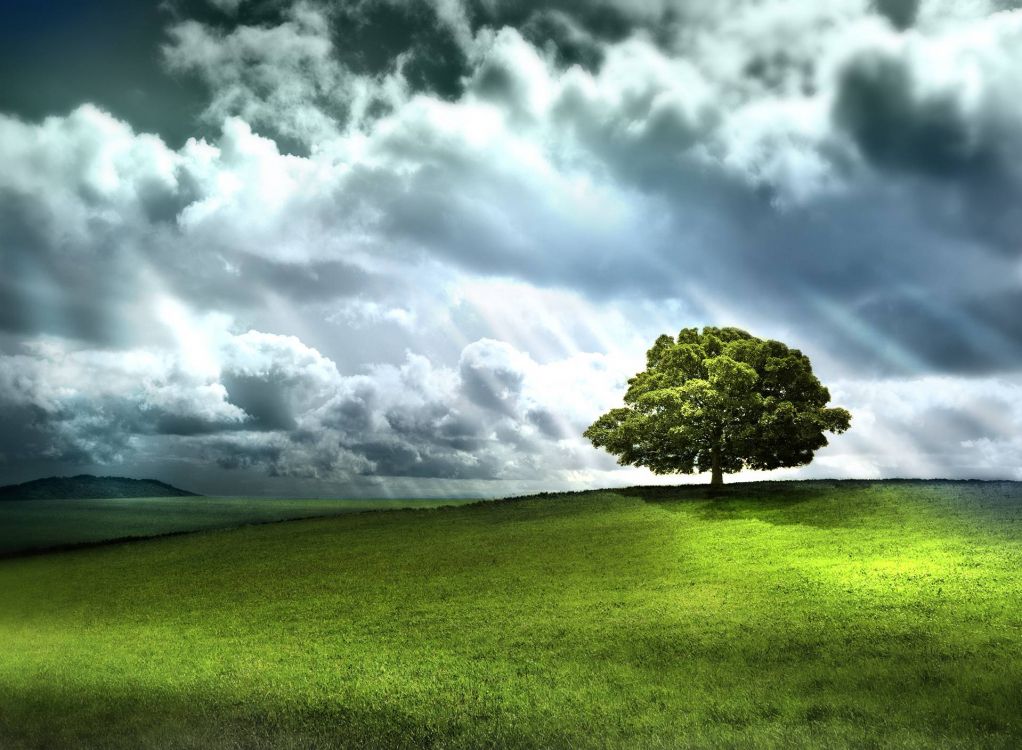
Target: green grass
[790,615]
[30,525]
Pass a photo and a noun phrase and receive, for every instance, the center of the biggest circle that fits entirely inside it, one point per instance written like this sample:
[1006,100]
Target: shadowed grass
[779,615]
[35,525]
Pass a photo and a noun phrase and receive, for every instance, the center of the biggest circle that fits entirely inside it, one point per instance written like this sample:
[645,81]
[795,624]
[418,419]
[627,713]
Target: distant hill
[86,486]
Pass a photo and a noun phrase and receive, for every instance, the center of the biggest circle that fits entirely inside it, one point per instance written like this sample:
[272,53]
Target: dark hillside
[86,486]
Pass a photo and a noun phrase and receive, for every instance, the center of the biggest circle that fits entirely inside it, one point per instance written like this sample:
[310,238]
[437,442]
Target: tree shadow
[131,715]
[817,503]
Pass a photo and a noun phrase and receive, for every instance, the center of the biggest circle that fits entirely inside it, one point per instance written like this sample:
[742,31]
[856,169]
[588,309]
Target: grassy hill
[89,487]
[32,526]
[780,615]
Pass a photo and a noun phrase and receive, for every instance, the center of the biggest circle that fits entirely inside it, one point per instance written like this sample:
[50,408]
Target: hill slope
[790,615]
[86,486]
[35,526]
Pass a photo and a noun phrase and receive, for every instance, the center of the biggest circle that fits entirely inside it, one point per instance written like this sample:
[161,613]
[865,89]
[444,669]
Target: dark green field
[32,525]
[780,615]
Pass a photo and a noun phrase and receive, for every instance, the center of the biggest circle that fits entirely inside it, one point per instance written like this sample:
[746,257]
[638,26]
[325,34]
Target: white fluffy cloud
[270,402]
[85,169]
[933,426]
[283,77]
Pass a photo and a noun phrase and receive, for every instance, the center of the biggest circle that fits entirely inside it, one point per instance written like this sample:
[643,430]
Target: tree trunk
[717,476]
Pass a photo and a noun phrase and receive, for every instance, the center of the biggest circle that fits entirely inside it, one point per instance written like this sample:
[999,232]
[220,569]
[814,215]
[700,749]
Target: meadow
[814,614]
[36,525]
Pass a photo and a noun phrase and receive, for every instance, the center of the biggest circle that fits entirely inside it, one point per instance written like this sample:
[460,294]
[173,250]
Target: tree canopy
[720,400]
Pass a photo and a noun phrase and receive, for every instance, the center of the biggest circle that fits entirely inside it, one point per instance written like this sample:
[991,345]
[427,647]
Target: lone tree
[719,400]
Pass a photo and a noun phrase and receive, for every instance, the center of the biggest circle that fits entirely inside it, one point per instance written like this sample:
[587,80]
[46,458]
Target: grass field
[27,525]
[781,615]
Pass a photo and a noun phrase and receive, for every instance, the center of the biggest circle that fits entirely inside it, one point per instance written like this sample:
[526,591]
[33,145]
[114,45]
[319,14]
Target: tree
[719,400]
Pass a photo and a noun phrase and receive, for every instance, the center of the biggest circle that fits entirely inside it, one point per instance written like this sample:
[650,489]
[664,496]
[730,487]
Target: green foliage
[720,400]
[782,615]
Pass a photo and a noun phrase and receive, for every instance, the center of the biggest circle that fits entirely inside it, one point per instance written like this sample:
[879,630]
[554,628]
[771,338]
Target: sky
[415,247]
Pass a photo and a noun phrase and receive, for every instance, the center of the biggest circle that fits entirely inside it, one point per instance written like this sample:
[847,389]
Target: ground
[859,614]
[36,525]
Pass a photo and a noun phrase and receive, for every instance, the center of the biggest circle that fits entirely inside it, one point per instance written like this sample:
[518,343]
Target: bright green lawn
[858,615]
[39,524]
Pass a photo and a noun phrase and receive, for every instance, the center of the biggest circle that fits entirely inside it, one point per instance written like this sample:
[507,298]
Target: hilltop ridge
[87,486]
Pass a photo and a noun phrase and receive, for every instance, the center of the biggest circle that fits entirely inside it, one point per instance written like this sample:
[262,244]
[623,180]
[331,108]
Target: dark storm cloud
[29,434]
[879,294]
[880,104]
[901,13]
[48,285]
[312,282]
[908,120]
[91,431]
[557,33]
[404,459]
[419,421]
[370,36]
[974,335]
[280,407]
[426,40]
[234,457]
[608,20]
[263,400]
[547,423]
[92,407]
[493,385]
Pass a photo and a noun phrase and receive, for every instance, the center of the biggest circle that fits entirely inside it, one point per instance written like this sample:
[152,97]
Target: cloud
[931,426]
[493,418]
[491,375]
[267,402]
[935,105]
[283,76]
[615,181]
[98,220]
[86,405]
[426,240]
[901,13]
[940,107]
[87,169]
